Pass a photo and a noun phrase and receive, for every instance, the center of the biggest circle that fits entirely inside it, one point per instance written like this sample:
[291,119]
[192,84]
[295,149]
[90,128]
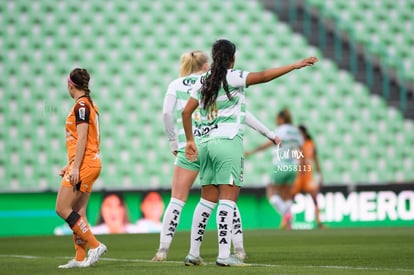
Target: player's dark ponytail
[305,132]
[223,55]
[80,78]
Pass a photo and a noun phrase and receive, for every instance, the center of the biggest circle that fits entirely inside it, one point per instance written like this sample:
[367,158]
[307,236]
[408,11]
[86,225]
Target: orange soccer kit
[304,180]
[83,112]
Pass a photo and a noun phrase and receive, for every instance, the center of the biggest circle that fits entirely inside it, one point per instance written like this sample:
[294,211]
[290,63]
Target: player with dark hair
[193,64]
[309,180]
[83,168]
[220,95]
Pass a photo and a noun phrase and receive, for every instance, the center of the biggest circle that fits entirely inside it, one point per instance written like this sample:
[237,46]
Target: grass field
[328,251]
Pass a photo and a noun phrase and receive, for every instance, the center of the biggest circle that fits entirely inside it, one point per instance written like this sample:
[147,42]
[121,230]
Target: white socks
[228,222]
[229,226]
[201,215]
[225,212]
[280,205]
[237,231]
[170,222]
[288,205]
[277,203]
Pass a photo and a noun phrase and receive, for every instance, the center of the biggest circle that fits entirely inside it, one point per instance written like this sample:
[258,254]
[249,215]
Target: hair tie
[71,81]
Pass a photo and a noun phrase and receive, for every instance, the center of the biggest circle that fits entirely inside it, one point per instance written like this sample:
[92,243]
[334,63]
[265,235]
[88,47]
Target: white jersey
[225,118]
[292,140]
[176,98]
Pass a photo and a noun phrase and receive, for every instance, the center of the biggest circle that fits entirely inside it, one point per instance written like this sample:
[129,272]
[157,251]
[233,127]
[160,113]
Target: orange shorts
[87,174]
[304,182]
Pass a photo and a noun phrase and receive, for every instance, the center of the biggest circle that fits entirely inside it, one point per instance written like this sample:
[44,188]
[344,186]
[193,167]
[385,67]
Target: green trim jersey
[226,117]
[180,90]
[289,152]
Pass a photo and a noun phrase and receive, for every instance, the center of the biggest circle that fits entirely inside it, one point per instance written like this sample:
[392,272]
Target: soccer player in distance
[287,161]
[309,179]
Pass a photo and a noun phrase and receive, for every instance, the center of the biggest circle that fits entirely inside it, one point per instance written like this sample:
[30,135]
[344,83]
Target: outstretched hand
[309,61]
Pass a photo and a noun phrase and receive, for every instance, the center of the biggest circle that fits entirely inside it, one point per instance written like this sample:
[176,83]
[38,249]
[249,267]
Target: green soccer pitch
[325,251]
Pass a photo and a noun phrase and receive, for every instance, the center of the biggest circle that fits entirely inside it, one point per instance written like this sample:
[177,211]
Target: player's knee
[59,212]
[62,211]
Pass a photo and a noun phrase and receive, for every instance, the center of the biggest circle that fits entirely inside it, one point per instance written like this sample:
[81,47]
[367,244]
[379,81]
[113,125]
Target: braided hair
[80,78]
[223,55]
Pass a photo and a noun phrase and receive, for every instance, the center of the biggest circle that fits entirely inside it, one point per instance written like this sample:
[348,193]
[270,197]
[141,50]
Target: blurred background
[357,102]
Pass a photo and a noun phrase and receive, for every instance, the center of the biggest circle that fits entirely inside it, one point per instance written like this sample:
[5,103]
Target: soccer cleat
[191,260]
[94,254]
[230,261]
[160,256]
[73,264]
[240,254]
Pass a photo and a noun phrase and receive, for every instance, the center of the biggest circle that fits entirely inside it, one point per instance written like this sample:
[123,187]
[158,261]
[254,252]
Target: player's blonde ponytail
[192,62]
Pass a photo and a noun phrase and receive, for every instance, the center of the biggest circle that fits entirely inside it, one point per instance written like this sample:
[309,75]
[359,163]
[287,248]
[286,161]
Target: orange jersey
[308,151]
[83,112]
[304,180]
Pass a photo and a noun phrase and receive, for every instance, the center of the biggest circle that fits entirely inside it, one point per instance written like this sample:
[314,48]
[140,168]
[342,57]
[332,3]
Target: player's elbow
[167,115]
[186,113]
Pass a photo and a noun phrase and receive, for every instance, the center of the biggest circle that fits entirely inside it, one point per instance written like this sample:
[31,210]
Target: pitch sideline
[28,257]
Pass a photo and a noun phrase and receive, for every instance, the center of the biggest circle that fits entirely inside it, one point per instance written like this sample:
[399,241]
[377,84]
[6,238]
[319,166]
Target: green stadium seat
[132,50]
[376,26]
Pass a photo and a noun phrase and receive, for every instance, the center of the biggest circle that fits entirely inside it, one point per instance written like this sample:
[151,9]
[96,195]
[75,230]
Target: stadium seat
[376,26]
[132,50]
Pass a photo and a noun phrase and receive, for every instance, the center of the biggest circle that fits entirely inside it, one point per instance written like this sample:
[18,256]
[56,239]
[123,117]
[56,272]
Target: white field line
[337,267]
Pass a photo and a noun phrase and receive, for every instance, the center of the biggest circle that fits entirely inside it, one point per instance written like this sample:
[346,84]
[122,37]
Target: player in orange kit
[83,168]
[309,180]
